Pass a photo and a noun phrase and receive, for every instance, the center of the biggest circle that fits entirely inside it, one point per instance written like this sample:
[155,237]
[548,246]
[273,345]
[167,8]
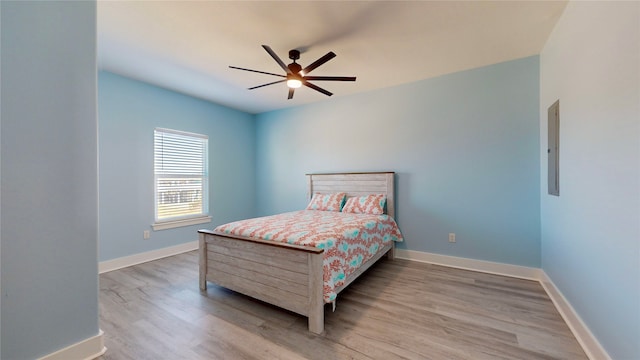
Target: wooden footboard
[285,275]
[288,276]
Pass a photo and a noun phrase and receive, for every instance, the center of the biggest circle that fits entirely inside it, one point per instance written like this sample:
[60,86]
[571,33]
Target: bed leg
[316,323]
[391,254]
[202,250]
[316,302]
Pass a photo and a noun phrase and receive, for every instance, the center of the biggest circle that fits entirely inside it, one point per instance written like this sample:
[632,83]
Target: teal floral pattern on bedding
[348,239]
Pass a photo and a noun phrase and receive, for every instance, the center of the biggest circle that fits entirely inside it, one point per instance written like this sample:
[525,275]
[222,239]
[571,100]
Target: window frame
[186,220]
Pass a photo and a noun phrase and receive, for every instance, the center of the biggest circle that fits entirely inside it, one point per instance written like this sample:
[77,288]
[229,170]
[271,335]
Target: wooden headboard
[355,184]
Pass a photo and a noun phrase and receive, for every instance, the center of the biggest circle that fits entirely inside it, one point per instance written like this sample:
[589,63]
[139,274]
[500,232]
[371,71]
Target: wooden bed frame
[285,275]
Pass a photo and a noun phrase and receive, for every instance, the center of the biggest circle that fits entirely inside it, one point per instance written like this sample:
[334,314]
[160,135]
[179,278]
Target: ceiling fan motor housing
[294,67]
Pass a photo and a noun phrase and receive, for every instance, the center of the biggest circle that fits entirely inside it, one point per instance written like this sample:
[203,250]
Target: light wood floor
[397,310]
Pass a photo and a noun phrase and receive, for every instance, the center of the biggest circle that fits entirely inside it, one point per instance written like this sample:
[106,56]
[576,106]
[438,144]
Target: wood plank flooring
[397,310]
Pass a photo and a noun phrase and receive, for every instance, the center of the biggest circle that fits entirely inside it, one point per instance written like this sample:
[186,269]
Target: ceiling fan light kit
[296,76]
[293,83]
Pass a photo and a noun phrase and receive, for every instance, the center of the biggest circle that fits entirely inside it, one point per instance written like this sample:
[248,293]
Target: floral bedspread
[348,239]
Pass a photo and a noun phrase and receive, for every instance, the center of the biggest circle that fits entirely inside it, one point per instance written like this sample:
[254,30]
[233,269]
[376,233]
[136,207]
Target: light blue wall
[464,147]
[129,111]
[591,232]
[49,177]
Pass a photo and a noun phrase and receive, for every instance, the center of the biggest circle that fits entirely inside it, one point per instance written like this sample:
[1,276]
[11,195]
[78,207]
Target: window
[181,179]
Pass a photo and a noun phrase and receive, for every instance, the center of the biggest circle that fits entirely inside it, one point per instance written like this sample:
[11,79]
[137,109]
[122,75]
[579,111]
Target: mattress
[348,239]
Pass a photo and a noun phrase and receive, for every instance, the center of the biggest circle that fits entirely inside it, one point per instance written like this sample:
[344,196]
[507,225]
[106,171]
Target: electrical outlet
[452,237]
[146,234]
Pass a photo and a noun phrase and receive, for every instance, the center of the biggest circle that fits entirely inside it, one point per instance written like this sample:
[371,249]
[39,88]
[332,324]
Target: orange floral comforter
[348,239]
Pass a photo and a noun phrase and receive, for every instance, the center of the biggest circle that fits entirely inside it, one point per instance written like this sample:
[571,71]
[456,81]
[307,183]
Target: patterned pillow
[370,204]
[327,202]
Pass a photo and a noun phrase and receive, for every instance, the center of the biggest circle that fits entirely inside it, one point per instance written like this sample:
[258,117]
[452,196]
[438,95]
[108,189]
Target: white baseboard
[125,261]
[86,349]
[516,271]
[587,340]
[585,337]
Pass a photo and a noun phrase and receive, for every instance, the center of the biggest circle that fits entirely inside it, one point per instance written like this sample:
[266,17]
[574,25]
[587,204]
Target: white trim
[179,223]
[184,133]
[591,346]
[516,271]
[585,337]
[125,261]
[86,349]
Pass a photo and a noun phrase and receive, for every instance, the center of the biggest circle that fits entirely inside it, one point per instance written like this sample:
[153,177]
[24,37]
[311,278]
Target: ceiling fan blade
[256,71]
[291,90]
[271,83]
[331,78]
[316,88]
[330,55]
[277,59]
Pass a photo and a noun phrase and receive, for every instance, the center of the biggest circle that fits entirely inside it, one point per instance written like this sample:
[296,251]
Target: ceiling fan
[296,76]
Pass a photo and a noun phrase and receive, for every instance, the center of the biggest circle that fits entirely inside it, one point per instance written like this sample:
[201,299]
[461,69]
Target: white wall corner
[86,349]
[135,259]
[587,340]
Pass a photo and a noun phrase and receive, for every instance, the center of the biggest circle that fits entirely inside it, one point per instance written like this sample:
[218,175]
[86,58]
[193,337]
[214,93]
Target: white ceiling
[187,46]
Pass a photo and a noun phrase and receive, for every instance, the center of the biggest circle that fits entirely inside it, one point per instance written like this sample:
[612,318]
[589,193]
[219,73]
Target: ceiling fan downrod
[294,66]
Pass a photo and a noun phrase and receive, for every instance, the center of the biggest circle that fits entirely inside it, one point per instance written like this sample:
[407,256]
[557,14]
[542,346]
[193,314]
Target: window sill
[180,223]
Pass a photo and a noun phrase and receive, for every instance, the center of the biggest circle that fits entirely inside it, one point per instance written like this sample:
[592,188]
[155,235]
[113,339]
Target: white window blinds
[181,177]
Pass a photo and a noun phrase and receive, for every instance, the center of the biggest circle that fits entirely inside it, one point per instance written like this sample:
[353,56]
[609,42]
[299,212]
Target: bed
[287,274]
